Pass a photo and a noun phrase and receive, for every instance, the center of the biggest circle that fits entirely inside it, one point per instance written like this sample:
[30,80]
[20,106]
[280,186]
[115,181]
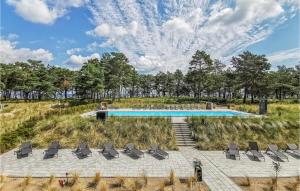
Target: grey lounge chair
[253,148]
[233,150]
[293,149]
[83,150]
[155,149]
[52,149]
[130,149]
[109,149]
[24,150]
[274,149]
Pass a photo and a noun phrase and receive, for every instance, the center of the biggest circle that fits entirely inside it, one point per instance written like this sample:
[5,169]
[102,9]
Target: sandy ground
[104,184]
[268,184]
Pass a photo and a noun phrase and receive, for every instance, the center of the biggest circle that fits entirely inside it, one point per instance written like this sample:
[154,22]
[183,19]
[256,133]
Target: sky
[156,35]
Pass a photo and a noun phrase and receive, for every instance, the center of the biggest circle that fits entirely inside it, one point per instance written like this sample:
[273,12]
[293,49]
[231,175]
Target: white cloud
[163,35]
[73,51]
[43,11]
[10,54]
[285,57]
[177,25]
[114,32]
[78,60]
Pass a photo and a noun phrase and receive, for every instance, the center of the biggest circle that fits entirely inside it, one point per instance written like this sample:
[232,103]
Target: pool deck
[217,169]
[66,161]
[180,161]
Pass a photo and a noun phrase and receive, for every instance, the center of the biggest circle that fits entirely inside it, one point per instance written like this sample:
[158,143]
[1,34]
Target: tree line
[248,77]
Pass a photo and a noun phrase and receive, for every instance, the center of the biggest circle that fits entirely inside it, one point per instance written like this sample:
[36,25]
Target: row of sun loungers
[233,151]
[83,150]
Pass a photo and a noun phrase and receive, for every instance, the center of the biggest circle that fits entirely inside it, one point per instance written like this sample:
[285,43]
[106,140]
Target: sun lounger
[233,150]
[155,149]
[275,151]
[130,149]
[83,150]
[24,150]
[253,148]
[293,149]
[109,149]
[52,149]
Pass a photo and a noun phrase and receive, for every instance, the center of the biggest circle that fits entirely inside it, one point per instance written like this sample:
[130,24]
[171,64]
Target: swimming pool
[164,113]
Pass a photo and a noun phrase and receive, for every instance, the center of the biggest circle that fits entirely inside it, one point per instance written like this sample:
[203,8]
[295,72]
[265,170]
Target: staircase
[183,134]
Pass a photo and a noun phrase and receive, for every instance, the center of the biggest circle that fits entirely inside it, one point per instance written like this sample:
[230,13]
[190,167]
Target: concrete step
[186,141]
[183,134]
[183,139]
[186,144]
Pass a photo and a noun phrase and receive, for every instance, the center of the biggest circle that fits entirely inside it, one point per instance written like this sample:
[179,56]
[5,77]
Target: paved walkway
[126,166]
[216,167]
[215,179]
[246,167]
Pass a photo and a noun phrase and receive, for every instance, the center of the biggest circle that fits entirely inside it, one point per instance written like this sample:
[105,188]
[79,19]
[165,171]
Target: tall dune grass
[71,129]
[215,133]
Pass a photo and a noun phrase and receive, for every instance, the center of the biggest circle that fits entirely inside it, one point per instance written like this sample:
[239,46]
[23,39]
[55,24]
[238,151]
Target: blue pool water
[176,113]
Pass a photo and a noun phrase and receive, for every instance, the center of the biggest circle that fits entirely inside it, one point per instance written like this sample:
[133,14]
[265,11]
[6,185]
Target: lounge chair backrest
[292,146]
[108,146]
[26,145]
[130,146]
[273,147]
[233,146]
[54,145]
[154,147]
[82,146]
[253,146]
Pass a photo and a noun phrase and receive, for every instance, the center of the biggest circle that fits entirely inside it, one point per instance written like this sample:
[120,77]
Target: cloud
[114,32]
[285,57]
[78,60]
[43,11]
[10,54]
[73,51]
[177,25]
[163,35]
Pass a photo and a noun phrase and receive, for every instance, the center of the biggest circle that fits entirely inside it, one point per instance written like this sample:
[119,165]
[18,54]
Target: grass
[51,121]
[66,125]
[269,184]
[216,133]
[129,184]
[276,111]
[71,129]
[172,178]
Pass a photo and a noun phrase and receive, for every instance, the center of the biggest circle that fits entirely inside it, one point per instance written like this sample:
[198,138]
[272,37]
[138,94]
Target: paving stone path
[66,161]
[247,167]
[215,179]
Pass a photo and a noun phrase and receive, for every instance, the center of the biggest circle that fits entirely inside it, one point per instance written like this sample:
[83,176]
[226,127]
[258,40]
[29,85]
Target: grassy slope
[280,126]
[43,122]
[70,129]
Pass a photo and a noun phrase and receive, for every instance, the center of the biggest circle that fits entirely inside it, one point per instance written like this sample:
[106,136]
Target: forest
[249,76]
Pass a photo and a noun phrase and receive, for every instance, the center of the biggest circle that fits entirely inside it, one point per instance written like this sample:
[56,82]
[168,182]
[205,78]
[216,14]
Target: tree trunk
[245,95]
[66,94]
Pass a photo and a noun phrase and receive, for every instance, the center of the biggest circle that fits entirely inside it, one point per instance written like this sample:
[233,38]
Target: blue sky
[154,35]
